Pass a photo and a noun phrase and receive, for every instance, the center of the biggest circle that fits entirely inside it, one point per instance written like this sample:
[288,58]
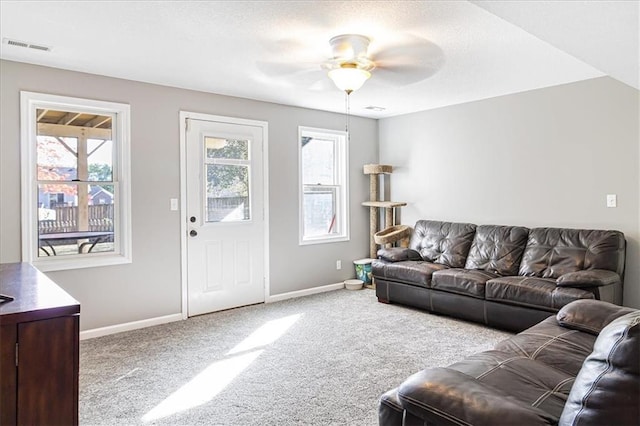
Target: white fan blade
[406,64]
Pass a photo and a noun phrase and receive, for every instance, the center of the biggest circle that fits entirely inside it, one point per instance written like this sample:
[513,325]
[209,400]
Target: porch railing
[66,219]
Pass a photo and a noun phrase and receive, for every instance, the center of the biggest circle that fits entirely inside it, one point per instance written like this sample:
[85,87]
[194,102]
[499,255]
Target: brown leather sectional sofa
[579,368]
[509,277]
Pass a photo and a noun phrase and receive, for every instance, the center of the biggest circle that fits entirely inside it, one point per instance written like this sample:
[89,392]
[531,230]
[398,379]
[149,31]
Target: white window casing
[323,186]
[120,181]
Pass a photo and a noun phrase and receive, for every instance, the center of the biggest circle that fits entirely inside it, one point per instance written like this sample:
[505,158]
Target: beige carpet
[317,360]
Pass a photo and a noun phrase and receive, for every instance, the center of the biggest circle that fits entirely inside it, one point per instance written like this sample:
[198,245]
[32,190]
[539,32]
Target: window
[75,182]
[323,186]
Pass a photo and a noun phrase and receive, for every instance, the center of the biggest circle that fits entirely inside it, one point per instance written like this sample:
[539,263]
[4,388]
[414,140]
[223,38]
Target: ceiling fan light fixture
[349,46]
[349,77]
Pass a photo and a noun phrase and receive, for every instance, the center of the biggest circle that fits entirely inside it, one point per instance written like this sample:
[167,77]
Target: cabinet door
[48,371]
[8,374]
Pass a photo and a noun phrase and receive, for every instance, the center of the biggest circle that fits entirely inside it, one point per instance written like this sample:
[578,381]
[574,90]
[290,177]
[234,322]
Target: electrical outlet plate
[338,264]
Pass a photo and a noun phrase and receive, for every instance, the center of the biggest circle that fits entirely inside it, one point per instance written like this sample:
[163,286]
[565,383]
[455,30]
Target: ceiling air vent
[18,43]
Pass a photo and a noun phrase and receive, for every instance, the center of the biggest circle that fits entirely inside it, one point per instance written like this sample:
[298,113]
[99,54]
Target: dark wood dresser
[39,349]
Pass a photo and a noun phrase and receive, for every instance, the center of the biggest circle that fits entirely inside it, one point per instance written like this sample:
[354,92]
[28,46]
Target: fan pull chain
[347,107]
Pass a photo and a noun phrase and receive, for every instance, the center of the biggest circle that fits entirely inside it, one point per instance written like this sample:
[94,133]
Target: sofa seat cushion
[491,387]
[530,381]
[442,396]
[411,271]
[548,342]
[462,281]
[533,292]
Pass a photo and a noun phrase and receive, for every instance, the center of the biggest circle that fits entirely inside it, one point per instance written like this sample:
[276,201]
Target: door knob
[192,219]
[193,233]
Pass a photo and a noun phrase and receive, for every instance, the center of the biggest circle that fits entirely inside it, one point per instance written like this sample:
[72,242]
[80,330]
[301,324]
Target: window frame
[121,135]
[341,169]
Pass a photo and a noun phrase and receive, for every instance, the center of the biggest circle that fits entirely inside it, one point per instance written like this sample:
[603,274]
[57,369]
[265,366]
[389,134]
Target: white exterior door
[225,215]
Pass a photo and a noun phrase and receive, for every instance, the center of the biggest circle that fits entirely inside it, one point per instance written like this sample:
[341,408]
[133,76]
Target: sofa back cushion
[497,249]
[446,243]
[552,252]
[606,390]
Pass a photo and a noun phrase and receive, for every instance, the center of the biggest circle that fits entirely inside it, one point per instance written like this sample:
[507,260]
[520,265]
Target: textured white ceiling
[605,34]
[446,52]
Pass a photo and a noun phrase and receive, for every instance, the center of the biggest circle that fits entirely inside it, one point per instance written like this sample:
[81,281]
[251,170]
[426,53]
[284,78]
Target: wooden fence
[219,207]
[66,219]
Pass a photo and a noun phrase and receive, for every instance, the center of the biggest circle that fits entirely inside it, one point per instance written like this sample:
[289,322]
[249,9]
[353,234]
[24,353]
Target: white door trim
[184,115]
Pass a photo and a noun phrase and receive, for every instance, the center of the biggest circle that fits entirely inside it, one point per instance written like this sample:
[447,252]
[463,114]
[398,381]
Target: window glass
[56,158]
[79,218]
[320,211]
[227,168]
[227,193]
[226,148]
[318,162]
[100,160]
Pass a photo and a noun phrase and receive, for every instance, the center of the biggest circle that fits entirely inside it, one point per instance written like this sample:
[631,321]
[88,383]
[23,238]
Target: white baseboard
[306,292]
[118,328]
[128,326]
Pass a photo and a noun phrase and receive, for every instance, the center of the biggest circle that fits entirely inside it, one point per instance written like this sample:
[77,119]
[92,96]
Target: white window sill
[324,240]
[78,262]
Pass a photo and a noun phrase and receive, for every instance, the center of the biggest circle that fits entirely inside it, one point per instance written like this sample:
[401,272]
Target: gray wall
[542,158]
[150,286]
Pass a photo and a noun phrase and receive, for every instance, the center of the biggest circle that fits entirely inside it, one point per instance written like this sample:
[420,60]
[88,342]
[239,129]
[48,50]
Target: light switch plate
[174,204]
[612,200]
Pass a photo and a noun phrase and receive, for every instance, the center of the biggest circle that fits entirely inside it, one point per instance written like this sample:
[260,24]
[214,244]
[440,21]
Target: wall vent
[18,43]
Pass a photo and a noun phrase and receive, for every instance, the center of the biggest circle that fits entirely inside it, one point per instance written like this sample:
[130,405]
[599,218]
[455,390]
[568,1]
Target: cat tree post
[374,170]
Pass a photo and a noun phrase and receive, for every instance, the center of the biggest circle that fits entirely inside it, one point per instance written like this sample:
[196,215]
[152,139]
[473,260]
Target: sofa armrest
[442,394]
[590,316]
[398,254]
[588,278]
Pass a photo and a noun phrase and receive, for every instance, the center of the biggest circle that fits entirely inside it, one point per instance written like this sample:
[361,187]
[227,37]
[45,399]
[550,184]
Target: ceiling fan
[353,60]
[350,66]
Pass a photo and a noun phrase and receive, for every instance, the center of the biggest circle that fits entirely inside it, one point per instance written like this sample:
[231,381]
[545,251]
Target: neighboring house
[50,200]
[51,196]
[99,195]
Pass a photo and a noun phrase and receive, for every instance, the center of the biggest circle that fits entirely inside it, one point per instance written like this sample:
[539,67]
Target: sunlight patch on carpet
[266,334]
[217,376]
[204,387]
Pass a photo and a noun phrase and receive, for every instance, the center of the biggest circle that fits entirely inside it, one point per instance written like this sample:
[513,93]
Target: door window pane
[226,148]
[227,193]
